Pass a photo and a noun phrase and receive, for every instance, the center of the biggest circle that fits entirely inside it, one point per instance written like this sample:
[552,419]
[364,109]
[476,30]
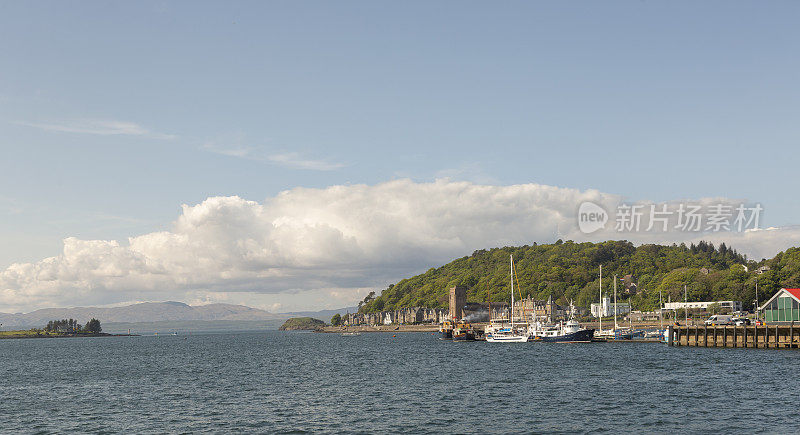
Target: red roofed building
[784,306]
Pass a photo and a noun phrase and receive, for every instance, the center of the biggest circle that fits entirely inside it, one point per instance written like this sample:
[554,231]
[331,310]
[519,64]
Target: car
[742,321]
[719,319]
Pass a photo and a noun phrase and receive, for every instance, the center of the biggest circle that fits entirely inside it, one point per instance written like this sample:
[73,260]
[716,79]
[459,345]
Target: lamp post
[756,307]
[686,304]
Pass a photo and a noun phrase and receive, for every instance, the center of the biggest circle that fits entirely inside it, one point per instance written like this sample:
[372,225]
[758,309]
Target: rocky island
[302,324]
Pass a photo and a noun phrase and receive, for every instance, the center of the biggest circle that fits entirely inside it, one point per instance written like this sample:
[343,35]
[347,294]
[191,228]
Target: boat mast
[615,302]
[601,298]
[512,290]
[660,311]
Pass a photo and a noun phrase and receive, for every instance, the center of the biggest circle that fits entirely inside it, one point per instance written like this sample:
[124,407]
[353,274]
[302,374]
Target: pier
[780,336]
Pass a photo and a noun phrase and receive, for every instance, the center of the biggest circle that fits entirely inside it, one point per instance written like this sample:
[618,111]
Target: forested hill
[568,270]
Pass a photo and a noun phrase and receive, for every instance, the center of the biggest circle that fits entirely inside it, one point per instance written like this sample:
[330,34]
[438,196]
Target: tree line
[71,326]
[570,271]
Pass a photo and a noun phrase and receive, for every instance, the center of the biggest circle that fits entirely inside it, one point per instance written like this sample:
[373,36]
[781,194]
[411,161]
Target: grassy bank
[38,333]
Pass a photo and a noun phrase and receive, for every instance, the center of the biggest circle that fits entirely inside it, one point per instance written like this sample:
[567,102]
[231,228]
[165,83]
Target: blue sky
[113,114]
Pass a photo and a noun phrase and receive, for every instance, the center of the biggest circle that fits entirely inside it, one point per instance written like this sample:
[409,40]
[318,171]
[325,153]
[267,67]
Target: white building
[608,308]
[725,305]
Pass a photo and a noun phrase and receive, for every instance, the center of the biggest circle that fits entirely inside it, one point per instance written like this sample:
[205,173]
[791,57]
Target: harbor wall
[772,336]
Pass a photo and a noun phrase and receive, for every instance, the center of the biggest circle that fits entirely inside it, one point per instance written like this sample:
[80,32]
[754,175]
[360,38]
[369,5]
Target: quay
[775,336]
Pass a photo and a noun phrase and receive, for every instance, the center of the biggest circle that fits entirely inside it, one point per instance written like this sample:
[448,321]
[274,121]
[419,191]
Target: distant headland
[302,324]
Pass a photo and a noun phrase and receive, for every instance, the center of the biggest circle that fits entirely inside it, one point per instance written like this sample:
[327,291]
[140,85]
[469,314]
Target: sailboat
[500,331]
[600,333]
[617,333]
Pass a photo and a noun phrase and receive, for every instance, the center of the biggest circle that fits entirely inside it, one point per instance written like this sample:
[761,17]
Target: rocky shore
[381,328]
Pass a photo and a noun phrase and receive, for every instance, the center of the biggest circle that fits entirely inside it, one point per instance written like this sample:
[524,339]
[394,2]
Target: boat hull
[463,336]
[582,336]
[491,338]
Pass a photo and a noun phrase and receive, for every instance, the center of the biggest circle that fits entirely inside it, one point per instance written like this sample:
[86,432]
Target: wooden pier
[775,336]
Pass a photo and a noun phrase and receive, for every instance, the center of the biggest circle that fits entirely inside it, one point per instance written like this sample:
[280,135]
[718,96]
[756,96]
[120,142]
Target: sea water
[383,382]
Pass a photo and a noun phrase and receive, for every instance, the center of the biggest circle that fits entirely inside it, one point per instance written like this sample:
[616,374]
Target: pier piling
[767,337]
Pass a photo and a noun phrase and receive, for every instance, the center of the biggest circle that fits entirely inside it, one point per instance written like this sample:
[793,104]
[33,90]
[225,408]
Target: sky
[297,155]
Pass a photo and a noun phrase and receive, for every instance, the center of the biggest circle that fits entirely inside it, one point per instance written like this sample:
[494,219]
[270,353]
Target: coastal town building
[406,316]
[784,306]
[606,308]
[723,305]
[539,311]
[644,316]
[629,287]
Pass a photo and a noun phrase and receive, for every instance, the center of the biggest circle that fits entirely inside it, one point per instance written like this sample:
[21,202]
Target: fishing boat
[502,331]
[446,330]
[569,332]
[463,332]
[350,334]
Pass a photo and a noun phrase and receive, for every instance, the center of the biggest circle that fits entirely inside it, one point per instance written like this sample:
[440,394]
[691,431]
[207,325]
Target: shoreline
[379,328]
[435,327]
[20,335]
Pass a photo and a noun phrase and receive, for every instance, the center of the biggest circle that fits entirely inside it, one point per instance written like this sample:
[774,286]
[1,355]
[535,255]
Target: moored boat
[509,333]
[463,332]
[570,332]
[502,331]
[446,330]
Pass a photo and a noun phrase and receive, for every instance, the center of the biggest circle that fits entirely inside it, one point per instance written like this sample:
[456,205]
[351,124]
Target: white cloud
[101,127]
[294,160]
[289,159]
[312,248]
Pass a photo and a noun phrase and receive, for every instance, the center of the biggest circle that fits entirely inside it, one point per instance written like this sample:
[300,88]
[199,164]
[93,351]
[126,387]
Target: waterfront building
[606,308]
[408,315]
[784,306]
[539,311]
[724,305]
[644,316]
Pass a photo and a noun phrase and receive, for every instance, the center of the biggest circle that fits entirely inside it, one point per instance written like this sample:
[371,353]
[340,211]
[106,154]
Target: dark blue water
[297,382]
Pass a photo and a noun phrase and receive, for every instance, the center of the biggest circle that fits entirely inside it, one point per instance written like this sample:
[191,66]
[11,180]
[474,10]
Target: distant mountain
[155,312]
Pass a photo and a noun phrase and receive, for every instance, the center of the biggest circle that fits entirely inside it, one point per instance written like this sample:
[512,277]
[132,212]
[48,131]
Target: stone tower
[458,298]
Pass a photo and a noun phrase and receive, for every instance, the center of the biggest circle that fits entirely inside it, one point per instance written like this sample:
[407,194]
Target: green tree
[93,326]
[336,320]
[569,271]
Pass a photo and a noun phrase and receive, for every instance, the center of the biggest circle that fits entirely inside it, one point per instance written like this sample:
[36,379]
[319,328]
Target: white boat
[502,331]
[569,332]
[617,333]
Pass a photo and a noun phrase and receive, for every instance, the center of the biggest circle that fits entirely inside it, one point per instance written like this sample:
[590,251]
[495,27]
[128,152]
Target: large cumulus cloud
[340,237]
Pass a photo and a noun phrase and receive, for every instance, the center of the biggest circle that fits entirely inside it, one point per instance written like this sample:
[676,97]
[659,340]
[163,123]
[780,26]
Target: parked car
[741,321]
[720,319]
